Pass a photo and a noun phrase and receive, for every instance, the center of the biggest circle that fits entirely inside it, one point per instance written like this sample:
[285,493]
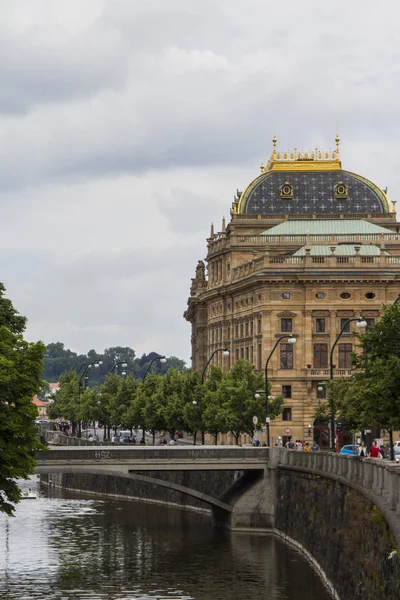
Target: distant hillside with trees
[59,360]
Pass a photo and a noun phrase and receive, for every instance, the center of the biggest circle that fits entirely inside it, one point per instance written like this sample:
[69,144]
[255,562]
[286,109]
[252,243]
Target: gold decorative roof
[303,160]
[312,177]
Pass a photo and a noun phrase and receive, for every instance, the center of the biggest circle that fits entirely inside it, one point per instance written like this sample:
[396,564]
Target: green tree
[125,398]
[154,405]
[372,395]
[20,371]
[59,360]
[132,417]
[67,404]
[172,394]
[136,410]
[109,397]
[237,395]
[194,403]
[214,415]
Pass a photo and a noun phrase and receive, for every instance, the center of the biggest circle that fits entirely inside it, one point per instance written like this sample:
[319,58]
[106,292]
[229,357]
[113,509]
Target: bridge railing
[380,477]
[57,438]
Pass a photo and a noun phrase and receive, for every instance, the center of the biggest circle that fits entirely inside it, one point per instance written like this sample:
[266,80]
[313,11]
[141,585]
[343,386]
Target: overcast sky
[126,127]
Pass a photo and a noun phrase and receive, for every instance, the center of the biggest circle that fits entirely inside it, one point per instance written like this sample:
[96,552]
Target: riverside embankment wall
[212,483]
[343,531]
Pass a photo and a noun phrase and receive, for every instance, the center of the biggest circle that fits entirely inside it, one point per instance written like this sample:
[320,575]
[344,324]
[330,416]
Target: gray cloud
[126,127]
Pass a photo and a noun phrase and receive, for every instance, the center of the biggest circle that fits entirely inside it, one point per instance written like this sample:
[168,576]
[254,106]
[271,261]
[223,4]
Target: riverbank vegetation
[59,360]
[371,396]
[20,369]
[176,401]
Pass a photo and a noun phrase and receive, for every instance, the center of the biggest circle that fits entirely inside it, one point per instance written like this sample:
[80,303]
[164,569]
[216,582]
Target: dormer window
[341,191]
[286,191]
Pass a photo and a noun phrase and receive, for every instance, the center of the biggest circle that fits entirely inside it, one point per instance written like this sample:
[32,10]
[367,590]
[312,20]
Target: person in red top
[374,451]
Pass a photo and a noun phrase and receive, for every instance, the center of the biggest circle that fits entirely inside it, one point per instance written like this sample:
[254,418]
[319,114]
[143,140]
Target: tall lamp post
[84,368]
[291,338]
[361,324]
[117,364]
[159,357]
[225,352]
[162,359]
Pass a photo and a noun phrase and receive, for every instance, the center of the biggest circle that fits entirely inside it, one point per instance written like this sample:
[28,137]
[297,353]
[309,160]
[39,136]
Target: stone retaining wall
[346,534]
[212,483]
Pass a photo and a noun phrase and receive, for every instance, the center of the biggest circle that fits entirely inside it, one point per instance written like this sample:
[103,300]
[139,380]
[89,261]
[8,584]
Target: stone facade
[273,273]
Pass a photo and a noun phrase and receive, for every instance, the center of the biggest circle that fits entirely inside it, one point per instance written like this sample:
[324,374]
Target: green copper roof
[341,250]
[325,226]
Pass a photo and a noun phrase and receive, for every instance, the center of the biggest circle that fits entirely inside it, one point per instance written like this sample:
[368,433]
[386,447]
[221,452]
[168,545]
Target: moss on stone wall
[347,535]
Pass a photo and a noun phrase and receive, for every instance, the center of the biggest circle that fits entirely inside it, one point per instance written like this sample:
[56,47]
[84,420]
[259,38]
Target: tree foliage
[20,370]
[176,401]
[59,360]
[372,395]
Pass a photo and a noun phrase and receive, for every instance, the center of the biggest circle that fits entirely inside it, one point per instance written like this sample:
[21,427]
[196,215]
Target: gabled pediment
[287,314]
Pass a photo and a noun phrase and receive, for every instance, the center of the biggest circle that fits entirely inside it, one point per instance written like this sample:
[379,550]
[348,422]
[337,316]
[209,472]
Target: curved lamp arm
[291,337]
[362,323]
[203,375]
[159,356]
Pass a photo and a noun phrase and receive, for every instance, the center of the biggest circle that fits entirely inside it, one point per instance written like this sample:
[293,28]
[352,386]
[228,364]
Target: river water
[63,546]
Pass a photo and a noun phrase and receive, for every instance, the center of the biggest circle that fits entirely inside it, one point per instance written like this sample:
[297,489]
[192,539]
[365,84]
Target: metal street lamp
[225,352]
[162,359]
[361,324]
[85,367]
[120,362]
[159,357]
[291,338]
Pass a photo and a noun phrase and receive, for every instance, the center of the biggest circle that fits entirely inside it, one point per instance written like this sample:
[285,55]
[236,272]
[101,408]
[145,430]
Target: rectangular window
[319,325]
[287,414]
[286,391]
[212,335]
[237,354]
[347,328]
[286,325]
[259,357]
[320,356]
[236,332]
[242,352]
[228,332]
[258,326]
[247,328]
[370,322]
[345,351]
[286,356]
[251,354]
[251,327]
[241,330]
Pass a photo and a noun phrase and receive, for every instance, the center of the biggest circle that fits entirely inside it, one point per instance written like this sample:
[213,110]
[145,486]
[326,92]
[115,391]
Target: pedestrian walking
[362,450]
[314,447]
[374,451]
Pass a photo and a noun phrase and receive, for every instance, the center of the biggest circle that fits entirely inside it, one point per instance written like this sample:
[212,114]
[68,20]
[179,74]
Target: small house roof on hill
[38,402]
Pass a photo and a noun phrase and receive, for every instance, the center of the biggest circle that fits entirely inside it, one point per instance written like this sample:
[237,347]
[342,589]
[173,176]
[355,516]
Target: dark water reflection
[70,547]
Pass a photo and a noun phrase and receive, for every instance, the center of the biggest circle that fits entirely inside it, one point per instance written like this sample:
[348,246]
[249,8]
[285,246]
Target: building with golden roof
[309,245]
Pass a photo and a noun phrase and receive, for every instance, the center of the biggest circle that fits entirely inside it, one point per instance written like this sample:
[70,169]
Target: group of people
[374,451]
[302,446]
